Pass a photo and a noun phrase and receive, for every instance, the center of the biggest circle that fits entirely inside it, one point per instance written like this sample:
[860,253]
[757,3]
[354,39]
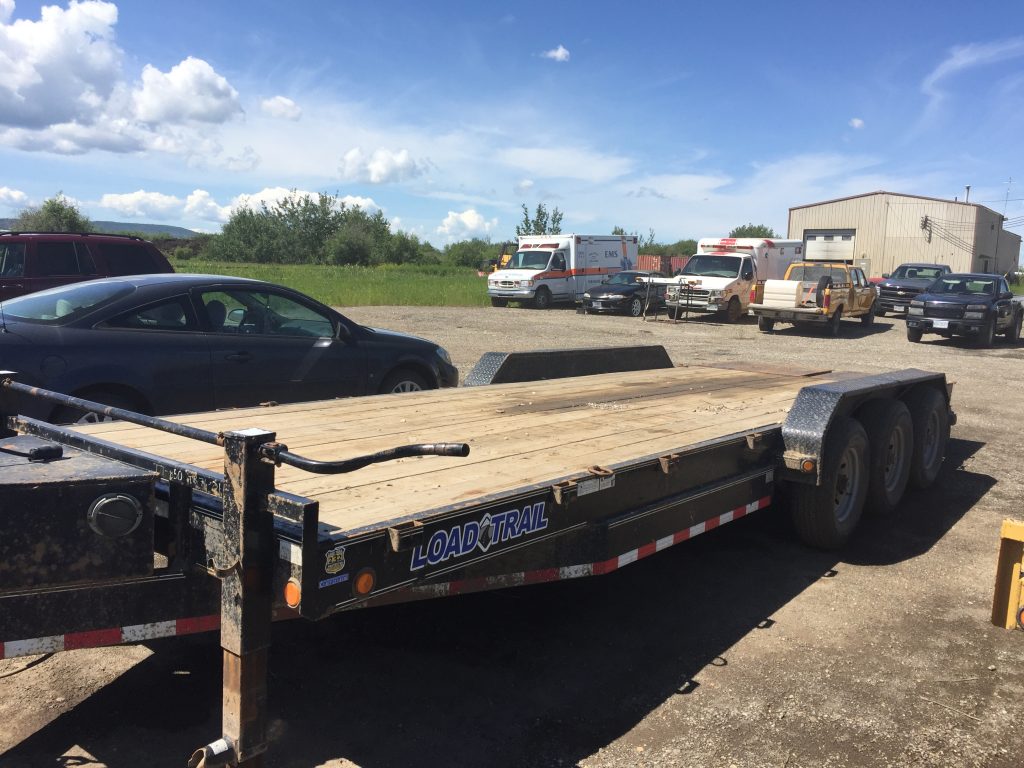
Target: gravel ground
[740,648]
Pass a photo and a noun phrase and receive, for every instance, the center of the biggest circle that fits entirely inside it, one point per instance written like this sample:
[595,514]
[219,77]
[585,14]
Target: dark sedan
[976,305]
[624,292]
[163,344]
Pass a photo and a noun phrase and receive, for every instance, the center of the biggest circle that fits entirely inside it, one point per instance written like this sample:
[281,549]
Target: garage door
[832,245]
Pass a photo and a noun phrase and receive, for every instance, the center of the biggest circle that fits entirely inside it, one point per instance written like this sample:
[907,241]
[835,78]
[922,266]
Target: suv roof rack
[76,234]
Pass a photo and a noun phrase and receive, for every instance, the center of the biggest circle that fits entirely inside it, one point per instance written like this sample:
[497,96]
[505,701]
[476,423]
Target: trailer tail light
[292,593]
[365,581]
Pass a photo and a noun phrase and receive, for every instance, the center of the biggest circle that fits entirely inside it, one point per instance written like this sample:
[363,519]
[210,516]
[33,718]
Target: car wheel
[68,415]
[542,299]
[988,336]
[869,318]
[403,380]
[914,335]
[733,310]
[833,324]
[1013,331]
[636,307]
[496,302]
[765,324]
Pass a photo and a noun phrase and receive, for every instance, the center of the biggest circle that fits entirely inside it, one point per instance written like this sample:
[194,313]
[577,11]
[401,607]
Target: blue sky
[687,119]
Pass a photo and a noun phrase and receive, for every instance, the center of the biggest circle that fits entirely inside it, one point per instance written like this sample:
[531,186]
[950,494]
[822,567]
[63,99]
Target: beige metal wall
[888,231]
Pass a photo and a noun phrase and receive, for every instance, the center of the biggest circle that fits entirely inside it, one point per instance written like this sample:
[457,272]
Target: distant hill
[125,226]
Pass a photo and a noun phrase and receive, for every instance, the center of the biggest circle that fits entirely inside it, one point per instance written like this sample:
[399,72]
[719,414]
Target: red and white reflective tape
[135,633]
[577,571]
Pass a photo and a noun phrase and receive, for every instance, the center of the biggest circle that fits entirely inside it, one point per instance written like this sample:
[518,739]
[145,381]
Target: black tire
[1012,332]
[733,310]
[825,515]
[869,318]
[833,324]
[66,415]
[819,293]
[765,324]
[403,380]
[988,336]
[673,313]
[914,335]
[636,307]
[542,299]
[496,302]
[891,448]
[930,415]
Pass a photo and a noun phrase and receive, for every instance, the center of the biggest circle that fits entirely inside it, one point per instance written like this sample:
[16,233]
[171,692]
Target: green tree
[57,214]
[754,230]
[470,253]
[645,244]
[542,223]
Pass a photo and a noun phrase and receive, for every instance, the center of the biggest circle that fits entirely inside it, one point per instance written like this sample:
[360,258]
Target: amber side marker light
[365,581]
[292,593]
[807,465]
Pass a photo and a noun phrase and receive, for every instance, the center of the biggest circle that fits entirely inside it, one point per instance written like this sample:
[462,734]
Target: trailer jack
[1008,598]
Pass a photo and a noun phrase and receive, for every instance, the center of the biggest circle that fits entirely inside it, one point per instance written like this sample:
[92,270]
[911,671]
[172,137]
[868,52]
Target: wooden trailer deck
[519,434]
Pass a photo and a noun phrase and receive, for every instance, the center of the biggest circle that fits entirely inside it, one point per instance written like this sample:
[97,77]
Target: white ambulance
[719,276]
[559,268]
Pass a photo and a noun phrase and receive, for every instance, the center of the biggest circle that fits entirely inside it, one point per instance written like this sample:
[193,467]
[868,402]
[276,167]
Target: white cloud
[191,90]
[202,206]
[561,53]
[382,167]
[523,186]
[963,57]
[565,162]
[60,68]
[281,107]
[248,160]
[856,123]
[143,204]
[12,197]
[469,223]
[353,201]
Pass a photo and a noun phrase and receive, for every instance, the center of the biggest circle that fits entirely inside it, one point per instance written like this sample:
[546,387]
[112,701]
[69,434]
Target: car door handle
[239,357]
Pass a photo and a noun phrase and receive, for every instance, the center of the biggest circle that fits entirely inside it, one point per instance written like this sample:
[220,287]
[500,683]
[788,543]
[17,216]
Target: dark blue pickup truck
[969,304]
[896,291]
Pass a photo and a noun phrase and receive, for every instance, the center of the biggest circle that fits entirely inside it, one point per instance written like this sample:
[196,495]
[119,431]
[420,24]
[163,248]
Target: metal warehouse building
[881,230]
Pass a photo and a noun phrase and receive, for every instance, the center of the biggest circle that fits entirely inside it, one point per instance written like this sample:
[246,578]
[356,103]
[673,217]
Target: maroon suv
[32,261]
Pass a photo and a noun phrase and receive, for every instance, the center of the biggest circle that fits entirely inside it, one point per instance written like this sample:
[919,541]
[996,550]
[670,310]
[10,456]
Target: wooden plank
[520,434]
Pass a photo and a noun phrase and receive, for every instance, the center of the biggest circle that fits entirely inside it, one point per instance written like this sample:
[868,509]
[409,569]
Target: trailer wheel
[930,415]
[496,302]
[765,324]
[891,446]
[636,307]
[733,310]
[825,515]
[542,299]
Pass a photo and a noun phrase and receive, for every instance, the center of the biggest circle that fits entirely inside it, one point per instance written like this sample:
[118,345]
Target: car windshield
[622,278]
[59,306]
[964,284]
[713,266]
[814,272]
[909,272]
[528,260]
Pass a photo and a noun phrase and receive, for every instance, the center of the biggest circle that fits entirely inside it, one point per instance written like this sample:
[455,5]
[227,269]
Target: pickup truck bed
[520,435]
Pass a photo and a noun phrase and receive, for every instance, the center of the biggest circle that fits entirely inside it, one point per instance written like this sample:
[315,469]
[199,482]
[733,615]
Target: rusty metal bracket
[755,440]
[668,462]
[564,491]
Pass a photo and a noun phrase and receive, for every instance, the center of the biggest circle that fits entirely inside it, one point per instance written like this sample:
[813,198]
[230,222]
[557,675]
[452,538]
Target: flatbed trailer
[139,528]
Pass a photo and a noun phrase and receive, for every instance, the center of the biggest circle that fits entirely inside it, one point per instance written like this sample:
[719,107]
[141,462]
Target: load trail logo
[479,535]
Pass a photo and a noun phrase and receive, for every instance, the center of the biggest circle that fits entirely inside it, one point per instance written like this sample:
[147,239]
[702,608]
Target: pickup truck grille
[945,311]
[898,294]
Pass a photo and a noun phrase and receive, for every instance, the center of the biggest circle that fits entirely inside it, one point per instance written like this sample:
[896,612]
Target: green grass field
[405,285]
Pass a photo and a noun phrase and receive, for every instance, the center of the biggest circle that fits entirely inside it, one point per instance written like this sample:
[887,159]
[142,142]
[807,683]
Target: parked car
[966,304]
[815,292]
[173,343]
[625,292]
[35,261]
[897,290]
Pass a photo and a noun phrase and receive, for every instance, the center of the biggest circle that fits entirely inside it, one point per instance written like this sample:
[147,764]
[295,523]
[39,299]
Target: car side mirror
[343,333]
[886,275]
[1005,295]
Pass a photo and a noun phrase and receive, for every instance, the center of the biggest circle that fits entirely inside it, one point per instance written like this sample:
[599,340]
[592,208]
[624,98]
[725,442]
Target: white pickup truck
[815,292]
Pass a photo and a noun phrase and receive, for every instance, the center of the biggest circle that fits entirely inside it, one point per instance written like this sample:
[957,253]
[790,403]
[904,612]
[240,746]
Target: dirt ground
[739,648]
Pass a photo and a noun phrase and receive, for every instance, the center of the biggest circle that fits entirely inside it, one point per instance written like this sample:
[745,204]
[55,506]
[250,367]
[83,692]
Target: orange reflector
[807,465]
[292,593]
[365,582]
